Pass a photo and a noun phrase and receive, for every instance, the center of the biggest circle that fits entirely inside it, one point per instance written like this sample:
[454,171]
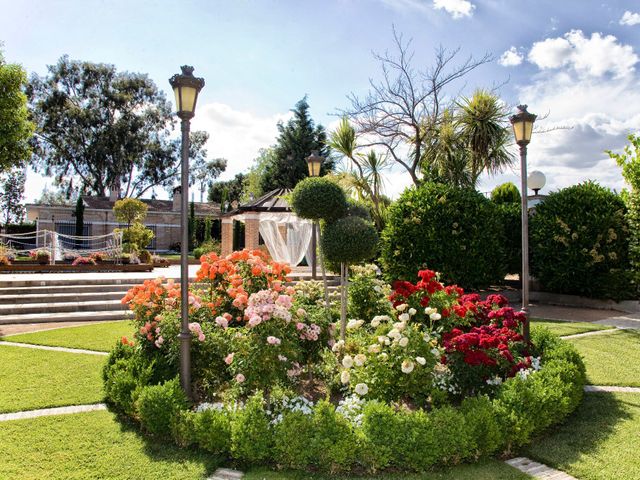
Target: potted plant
[42,256]
[83,261]
[4,260]
[125,258]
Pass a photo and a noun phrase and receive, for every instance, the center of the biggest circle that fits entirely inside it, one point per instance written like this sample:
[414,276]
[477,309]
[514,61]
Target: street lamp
[522,123]
[186,88]
[314,162]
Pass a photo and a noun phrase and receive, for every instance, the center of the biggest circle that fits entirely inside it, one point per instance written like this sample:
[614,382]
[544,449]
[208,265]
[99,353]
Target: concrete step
[57,282]
[91,306]
[65,289]
[66,317]
[70,296]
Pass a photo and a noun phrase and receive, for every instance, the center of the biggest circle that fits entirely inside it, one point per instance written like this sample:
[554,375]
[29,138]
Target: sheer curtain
[292,249]
[274,241]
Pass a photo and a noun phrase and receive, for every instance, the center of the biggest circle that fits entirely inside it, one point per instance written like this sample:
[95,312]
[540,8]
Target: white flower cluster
[443,379]
[378,319]
[535,366]
[354,324]
[351,409]
[286,404]
[219,406]
[494,381]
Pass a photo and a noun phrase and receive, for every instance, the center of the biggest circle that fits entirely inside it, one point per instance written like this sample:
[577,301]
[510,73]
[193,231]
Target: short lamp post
[314,162]
[522,123]
[186,88]
[536,181]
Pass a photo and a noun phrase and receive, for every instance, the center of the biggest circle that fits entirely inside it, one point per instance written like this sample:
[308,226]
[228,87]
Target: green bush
[158,405]
[506,193]
[579,243]
[358,209]
[318,198]
[384,431]
[349,240]
[483,426]
[212,431]
[452,230]
[511,220]
[251,437]
[335,445]
[207,247]
[291,439]
[144,256]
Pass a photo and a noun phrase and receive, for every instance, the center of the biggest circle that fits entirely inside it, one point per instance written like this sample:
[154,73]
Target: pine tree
[298,138]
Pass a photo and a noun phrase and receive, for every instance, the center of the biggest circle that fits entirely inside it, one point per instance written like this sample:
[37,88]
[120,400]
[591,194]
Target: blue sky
[575,60]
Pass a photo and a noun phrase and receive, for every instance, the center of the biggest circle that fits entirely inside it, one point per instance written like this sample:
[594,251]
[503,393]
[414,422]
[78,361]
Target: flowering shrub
[83,261]
[368,295]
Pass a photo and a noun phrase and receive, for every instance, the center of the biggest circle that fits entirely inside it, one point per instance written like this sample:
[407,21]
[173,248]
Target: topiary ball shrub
[349,240]
[318,198]
[358,209]
[455,231]
[579,243]
[506,193]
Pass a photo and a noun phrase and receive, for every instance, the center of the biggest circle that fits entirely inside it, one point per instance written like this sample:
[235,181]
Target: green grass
[568,328]
[598,442]
[483,470]
[611,358]
[93,445]
[101,336]
[32,379]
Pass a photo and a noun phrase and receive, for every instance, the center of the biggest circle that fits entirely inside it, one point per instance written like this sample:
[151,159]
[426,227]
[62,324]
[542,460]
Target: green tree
[253,181]
[506,193]
[12,195]
[53,197]
[130,211]
[15,127]
[204,173]
[297,139]
[233,188]
[97,127]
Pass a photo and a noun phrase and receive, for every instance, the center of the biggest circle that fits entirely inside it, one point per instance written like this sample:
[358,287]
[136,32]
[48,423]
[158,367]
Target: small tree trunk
[344,281]
[324,274]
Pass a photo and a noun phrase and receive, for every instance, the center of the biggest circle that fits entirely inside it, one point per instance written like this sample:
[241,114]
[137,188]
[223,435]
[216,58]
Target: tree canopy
[297,139]
[12,195]
[15,127]
[97,127]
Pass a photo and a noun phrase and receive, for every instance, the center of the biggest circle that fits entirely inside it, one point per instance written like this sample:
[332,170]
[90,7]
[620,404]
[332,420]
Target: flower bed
[445,377]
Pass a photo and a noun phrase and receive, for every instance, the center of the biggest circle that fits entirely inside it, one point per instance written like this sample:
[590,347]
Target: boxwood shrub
[381,436]
[579,243]
[318,198]
[452,230]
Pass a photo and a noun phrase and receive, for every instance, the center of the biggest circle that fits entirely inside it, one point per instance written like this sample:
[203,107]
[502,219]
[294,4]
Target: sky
[574,62]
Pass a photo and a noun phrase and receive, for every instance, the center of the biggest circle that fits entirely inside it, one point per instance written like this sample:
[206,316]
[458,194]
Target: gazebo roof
[269,202]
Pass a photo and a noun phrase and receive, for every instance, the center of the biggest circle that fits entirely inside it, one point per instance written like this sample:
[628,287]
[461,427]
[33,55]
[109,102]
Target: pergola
[286,236]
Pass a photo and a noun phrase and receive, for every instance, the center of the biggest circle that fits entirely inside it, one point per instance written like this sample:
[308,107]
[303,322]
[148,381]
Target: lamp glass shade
[536,180]
[522,130]
[185,98]
[314,162]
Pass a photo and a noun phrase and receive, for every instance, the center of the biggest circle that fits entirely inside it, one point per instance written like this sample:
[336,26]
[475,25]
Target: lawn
[611,358]
[93,445]
[484,470]
[568,328]
[32,379]
[598,442]
[101,336]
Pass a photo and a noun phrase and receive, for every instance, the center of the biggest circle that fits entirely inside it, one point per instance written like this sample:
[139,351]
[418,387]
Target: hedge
[383,436]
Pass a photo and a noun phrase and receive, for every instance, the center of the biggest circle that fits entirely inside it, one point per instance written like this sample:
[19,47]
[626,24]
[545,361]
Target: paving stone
[588,334]
[607,388]
[5,417]
[54,349]
[538,470]
[226,474]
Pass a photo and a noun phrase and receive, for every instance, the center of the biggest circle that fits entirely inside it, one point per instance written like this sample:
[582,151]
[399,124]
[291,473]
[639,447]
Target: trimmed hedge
[349,240]
[383,436]
[511,219]
[318,198]
[452,230]
[579,243]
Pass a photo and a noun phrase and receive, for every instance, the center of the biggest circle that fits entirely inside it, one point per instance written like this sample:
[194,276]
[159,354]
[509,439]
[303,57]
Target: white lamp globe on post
[522,123]
[186,88]
[536,181]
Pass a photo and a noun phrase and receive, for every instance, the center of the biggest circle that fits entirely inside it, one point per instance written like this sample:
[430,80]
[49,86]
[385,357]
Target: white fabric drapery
[297,244]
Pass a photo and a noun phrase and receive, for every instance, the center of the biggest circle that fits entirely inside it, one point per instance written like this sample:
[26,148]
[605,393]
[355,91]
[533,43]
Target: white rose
[375,348]
[359,360]
[383,356]
[394,333]
[435,352]
[351,324]
[345,376]
[404,317]
[347,361]
[402,307]
[382,339]
[421,360]
[399,326]
[435,316]
[337,346]
[404,341]
[412,311]
[361,389]
[407,366]
[375,323]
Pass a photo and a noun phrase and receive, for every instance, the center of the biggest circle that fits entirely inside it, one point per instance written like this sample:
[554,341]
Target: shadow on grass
[583,432]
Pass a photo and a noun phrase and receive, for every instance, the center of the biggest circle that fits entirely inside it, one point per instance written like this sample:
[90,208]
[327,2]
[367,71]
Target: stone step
[61,297]
[57,282]
[65,289]
[66,317]
[45,308]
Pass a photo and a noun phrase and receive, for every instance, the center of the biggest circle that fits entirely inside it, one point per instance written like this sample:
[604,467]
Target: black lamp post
[314,162]
[522,123]
[186,88]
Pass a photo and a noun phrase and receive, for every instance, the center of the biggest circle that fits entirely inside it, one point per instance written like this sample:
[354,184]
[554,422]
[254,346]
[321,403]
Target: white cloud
[236,135]
[595,56]
[456,8]
[630,18]
[510,58]
[419,5]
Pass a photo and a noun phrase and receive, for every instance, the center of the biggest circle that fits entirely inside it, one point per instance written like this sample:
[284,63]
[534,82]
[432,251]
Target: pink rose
[229,358]
[300,326]
[271,340]
[222,322]
[201,337]
[240,378]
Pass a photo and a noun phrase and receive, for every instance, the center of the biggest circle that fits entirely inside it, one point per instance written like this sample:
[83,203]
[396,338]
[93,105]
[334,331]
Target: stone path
[19,328]
[54,349]
[538,470]
[5,417]
[608,388]
[588,334]
[226,474]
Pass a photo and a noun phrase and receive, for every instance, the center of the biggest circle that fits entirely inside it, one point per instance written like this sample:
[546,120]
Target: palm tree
[483,125]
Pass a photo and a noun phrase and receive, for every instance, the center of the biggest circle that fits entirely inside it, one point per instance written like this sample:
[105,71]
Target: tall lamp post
[186,88]
[314,162]
[522,123]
